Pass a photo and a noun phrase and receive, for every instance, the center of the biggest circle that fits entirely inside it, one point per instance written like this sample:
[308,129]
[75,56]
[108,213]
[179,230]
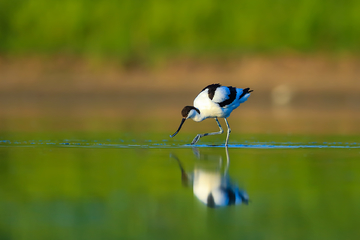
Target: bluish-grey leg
[228,132]
[197,138]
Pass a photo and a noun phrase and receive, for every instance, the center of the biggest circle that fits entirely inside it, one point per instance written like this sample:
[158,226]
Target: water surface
[125,188]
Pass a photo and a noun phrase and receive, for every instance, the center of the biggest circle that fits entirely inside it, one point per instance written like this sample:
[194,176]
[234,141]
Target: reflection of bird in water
[214,101]
[214,188]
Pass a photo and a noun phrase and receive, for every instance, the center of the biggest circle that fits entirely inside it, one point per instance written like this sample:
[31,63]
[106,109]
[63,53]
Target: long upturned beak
[182,122]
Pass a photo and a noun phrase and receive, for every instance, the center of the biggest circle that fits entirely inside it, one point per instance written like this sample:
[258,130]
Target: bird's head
[187,112]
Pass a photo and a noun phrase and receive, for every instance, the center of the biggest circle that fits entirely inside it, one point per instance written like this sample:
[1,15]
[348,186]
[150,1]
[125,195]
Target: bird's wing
[224,96]
[221,94]
[202,100]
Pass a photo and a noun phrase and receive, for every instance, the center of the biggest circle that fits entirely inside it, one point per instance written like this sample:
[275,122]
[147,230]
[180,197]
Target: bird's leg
[228,132]
[227,161]
[197,138]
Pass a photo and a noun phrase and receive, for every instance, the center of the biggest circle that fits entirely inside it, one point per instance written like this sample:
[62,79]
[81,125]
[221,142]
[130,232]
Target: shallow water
[152,187]
[85,161]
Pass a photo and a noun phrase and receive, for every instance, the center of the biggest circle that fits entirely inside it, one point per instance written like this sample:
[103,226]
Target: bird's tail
[247,90]
[245,94]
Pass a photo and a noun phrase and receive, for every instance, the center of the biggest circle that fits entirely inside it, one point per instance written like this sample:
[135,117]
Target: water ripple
[165,144]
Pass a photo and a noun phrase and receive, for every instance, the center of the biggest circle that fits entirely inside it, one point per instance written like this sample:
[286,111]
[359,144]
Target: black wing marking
[211,201]
[230,194]
[211,89]
[232,96]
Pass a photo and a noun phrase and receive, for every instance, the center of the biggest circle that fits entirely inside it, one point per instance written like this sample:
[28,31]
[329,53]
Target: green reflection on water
[136,193]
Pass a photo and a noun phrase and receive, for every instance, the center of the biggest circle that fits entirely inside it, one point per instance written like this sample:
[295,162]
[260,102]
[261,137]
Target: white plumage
[214,101]
[212,184]
[215,190]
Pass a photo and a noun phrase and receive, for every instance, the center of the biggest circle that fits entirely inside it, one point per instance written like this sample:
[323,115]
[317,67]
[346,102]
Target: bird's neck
[197,117]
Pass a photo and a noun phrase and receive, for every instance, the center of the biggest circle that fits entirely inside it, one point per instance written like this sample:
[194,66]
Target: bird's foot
[196,139]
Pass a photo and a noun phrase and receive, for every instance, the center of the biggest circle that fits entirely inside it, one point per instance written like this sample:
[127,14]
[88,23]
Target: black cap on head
[185,111]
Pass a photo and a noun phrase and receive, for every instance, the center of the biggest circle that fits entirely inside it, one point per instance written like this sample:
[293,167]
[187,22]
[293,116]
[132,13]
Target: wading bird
[214,101]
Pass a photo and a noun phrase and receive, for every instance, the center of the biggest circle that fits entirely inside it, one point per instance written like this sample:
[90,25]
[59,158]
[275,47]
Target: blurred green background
[150,29]
[95,63]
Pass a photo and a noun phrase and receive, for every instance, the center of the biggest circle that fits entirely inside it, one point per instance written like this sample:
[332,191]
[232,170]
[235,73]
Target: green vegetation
[150,29]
